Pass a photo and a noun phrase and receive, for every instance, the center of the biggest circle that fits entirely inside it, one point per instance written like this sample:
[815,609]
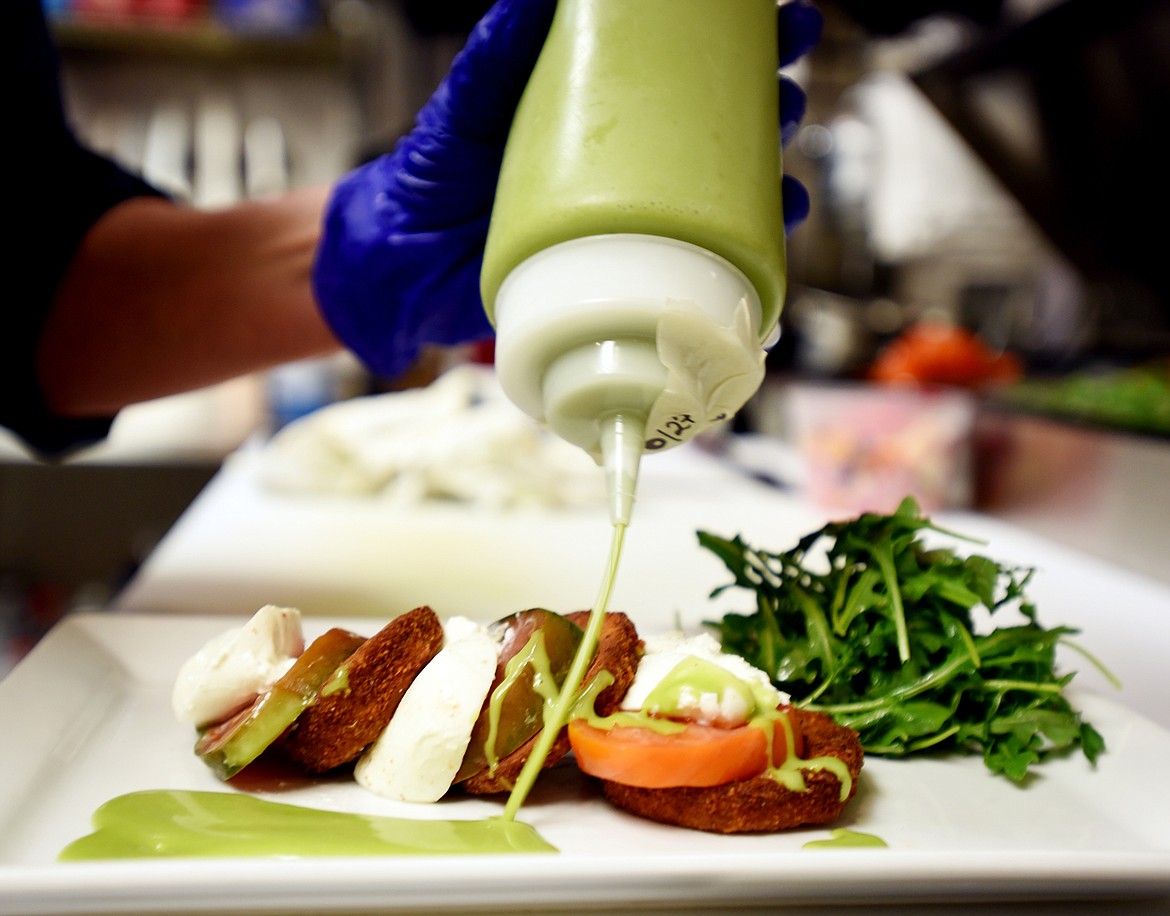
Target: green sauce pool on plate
[174,824]
[840,838]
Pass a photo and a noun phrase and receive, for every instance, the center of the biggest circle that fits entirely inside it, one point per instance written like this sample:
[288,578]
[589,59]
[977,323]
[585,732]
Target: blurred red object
[936,353]
[102,9]
[484,352]
[170,9]
[153,12]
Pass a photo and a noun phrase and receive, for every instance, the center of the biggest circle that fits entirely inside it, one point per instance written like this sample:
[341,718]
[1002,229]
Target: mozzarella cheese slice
[663,652]
[232,669]
[418,754]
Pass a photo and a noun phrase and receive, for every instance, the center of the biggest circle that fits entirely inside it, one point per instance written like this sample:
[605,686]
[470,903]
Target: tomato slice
[699,755]
[231,745]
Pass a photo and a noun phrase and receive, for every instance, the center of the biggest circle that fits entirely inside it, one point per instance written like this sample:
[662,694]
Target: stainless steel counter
[1105,493]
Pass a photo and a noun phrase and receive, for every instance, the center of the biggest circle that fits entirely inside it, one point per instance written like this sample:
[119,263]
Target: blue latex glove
[799,29]
[398,264]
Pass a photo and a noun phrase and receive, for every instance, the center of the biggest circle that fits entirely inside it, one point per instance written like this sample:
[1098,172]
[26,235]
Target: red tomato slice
[699,755]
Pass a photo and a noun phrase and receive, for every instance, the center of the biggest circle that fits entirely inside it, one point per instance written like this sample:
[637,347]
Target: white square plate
[87,717]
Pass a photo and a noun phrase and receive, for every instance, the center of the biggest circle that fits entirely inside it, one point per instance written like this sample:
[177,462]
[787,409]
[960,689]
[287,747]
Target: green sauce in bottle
[653,117]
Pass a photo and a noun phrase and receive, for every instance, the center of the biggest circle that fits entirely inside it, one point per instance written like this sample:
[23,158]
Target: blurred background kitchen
[989,215]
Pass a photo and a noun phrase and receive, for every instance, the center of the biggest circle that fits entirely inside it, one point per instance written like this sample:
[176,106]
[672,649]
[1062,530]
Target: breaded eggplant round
[360,698]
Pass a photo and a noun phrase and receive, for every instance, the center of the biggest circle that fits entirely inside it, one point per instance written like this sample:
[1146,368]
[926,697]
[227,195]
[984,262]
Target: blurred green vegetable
[1136,398]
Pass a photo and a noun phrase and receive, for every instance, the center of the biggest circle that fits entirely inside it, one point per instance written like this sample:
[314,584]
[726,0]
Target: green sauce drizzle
[584,709]
[566,698]
[533,655]
[694,676]
[338,682]
[168,824]
[841,838]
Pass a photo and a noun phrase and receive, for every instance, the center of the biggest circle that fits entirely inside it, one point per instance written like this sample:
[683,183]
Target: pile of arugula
[861,620]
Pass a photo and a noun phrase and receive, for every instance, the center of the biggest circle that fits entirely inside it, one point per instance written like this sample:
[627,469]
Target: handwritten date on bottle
[677,428]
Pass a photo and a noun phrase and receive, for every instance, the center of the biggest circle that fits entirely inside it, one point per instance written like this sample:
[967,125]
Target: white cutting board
[239,546]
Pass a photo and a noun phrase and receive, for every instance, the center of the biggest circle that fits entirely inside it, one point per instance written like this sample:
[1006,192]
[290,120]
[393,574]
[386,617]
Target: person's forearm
[162,299]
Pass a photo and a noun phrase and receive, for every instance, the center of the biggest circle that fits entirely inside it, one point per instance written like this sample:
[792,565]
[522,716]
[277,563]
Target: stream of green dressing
[557,714]
[172,823]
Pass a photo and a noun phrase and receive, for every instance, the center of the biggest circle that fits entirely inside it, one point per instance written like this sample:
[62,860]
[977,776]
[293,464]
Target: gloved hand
[398,264]
[798,30]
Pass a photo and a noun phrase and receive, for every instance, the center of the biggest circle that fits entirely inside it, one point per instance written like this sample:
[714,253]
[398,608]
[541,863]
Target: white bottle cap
[577,337]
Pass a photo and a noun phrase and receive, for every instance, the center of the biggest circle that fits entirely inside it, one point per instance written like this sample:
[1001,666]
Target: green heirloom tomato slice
[514,710]
[229,746]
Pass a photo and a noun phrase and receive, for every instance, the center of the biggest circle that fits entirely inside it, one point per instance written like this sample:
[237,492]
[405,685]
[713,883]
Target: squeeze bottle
[635,267]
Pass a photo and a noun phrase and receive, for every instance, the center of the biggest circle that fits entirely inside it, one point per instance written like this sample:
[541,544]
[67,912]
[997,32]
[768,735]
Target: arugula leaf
[864,621]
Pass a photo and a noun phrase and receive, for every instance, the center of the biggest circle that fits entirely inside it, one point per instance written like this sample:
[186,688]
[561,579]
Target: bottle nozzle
[622,438]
